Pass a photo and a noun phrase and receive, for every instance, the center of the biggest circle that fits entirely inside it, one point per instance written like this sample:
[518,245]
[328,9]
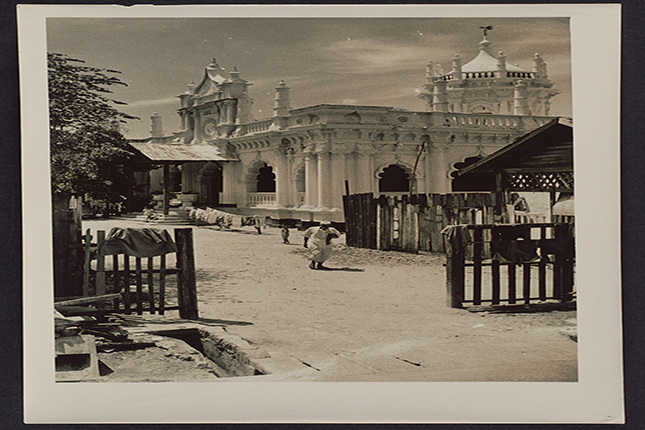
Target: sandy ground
[379,316]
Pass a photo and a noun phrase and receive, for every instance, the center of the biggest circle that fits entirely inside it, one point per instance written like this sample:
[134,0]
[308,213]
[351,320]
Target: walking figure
[318,240]
[284,232]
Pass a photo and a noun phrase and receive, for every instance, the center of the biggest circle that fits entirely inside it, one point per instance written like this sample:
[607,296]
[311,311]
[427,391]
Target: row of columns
[326,173]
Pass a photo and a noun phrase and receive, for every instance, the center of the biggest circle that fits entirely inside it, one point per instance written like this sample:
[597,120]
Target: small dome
[484,62]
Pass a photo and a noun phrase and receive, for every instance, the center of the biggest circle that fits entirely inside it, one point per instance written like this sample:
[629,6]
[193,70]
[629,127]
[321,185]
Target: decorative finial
[486,28]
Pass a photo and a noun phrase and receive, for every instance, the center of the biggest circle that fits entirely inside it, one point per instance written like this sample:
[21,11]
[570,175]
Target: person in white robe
[318,240]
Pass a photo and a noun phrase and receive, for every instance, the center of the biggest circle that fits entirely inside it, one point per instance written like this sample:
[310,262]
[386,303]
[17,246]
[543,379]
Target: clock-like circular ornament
[209,128]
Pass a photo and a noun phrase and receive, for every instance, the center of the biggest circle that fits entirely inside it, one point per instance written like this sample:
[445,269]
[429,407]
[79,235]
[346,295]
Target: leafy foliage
[88,153]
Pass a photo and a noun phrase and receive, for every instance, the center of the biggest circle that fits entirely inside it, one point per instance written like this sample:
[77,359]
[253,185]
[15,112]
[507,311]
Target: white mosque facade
[300,162]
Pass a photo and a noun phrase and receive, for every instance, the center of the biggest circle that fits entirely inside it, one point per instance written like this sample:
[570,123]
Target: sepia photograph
[293,197]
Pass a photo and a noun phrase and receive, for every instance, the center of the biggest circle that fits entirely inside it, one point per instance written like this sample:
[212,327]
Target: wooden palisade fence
[412,223]
[126,271]
[510,264]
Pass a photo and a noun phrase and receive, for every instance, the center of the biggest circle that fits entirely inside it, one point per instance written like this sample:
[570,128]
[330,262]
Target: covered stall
[540,161]
[168,154]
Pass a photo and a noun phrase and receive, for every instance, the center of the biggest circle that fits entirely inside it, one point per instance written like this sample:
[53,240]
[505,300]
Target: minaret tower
[489,85]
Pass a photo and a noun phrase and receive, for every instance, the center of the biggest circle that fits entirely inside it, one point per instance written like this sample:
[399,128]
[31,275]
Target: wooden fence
[360,220]
[116,282]
[541,255]
[412,223]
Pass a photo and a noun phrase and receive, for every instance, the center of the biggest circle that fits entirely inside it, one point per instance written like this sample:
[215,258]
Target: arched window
[463,164]
[394,179]
[265,180]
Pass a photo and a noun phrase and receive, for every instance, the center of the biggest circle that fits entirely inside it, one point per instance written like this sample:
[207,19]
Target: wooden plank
[139,283]
[86,300]
[126,284]
[372,221]
[349,228]
[496,282]
[477,271]
[455,274]
[151,289]
[425,226]
[360,242]
[86,263]
[186,254]
[542,269]
[115,278]
[512,284]
[526,292]
[100,264]
[162,284]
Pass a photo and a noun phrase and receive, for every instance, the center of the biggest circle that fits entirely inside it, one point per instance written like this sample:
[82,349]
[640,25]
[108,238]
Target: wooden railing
[121,278]
[542,256]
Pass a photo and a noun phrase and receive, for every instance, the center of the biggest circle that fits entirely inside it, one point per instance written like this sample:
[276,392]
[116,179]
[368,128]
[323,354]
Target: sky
[362,61]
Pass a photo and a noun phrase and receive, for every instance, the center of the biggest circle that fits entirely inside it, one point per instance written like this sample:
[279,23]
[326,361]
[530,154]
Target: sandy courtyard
[380,316]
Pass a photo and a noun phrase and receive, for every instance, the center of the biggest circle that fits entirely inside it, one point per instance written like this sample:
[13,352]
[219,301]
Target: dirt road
[379,316]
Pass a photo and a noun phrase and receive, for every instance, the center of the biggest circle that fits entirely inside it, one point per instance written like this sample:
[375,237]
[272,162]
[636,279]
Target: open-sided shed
[541,160]
[177,154]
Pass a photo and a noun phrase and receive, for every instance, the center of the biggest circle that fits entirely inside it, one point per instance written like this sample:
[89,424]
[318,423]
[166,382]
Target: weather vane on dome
[488,27]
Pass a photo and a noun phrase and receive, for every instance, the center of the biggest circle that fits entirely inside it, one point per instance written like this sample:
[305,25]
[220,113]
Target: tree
[89,156]
[88,153]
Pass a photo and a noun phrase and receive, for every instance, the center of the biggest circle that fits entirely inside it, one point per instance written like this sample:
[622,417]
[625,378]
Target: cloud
[366,56]
[157,102]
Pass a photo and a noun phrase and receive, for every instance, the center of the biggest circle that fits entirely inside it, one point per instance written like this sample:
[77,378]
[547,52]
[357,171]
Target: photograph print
[349,199]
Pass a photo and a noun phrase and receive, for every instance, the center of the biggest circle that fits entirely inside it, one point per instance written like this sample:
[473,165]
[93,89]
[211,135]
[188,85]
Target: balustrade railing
[261,199]
[488,120]
[487,75]
[257,126]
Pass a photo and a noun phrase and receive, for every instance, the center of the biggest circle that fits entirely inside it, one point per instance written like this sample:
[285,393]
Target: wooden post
[126,283]
[139,282]
[477,269]
[455,273]
[86,264]
[162,284]
[100,264]
[151,289]
[166,188]
[186,264]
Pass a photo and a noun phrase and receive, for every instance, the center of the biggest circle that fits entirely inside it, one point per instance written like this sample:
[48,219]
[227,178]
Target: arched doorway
[265,179]
[394,179]
[260,184]
[211,183]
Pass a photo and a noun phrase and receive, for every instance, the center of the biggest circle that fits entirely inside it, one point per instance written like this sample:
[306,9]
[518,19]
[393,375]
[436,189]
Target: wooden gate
[122,283]
[484,263]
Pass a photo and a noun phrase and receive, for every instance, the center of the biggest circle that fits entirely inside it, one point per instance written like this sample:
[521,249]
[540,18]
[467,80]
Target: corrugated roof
[178,152]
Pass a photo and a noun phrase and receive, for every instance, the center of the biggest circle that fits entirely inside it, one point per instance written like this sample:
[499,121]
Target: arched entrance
[394,179]
[265,179]
[210,183]
[260,184]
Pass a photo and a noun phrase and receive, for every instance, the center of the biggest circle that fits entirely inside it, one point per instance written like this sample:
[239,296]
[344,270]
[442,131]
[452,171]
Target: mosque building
[299,162]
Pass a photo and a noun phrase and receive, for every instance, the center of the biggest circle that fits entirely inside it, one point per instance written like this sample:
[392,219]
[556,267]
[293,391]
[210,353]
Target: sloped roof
[547,148]
[178,152]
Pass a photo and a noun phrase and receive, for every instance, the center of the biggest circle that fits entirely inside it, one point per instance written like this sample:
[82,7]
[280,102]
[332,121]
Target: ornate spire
[484,45]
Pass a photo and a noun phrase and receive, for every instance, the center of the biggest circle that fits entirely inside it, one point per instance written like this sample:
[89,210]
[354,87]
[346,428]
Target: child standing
[284,231]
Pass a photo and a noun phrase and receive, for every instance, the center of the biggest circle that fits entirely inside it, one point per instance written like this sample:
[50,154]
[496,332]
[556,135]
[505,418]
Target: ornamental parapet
[487,75]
